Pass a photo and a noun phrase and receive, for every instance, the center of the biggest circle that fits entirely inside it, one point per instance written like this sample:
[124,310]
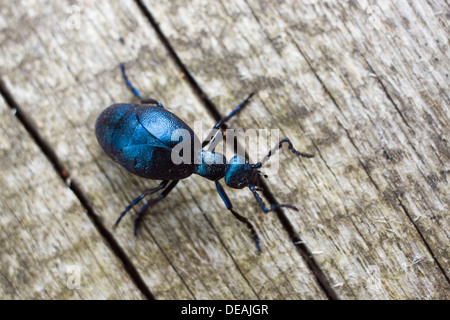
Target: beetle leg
[128,83]
[151,101]
[160,197]
[135,91]
[138,199]
[223,120]
[216,136]
[232,113]
[242,219]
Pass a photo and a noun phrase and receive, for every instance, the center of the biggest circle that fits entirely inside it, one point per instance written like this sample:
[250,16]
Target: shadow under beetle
[139,137]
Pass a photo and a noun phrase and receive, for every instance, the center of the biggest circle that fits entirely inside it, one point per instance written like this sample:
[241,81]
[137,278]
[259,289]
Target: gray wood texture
[362,85]
[49,247]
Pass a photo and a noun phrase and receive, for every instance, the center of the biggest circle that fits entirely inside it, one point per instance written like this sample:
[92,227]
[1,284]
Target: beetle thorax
[238,173]
[210,165]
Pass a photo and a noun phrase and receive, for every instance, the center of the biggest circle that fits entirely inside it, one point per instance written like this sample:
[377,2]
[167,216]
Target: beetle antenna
[254,190]
[280,144]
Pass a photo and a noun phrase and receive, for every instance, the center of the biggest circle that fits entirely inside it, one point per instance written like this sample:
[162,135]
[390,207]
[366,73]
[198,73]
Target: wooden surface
[50,249]
[362,85]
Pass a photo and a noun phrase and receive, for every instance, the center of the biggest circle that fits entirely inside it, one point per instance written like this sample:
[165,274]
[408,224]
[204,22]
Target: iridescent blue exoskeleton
[139,137]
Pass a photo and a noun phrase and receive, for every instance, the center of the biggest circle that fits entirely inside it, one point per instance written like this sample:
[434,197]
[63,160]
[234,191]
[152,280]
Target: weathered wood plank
[49,248]
[375,198]
[408,37]
[63,77]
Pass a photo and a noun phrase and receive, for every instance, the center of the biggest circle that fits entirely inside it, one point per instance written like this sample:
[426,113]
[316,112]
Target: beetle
[139,138]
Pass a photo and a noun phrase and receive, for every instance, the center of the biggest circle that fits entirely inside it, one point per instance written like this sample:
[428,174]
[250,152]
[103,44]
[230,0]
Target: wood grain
[361,84]
[62,74]
[364,86]
[49,247]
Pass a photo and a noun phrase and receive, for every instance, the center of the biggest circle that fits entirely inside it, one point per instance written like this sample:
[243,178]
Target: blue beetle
[139,137]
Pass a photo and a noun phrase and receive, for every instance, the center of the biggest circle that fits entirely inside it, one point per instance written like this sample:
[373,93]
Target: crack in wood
[302,249]
[64,174]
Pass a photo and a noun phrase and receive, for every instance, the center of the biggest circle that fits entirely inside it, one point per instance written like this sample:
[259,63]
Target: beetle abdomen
[151,162]
[139,138]
[162,124]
